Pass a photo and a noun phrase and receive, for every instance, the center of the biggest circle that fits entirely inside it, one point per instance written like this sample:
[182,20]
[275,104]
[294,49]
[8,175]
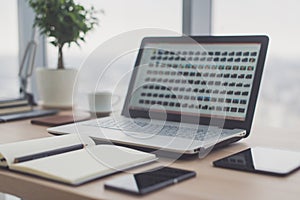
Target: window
[119,17]
[279,102]
[9,50]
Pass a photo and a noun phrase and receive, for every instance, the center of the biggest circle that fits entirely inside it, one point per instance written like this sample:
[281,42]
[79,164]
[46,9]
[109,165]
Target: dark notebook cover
[57,120]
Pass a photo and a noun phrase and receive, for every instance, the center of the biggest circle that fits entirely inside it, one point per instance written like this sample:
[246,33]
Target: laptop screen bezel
[228,123]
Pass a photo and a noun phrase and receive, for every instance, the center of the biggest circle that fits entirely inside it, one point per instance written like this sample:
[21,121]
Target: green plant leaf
[64,21]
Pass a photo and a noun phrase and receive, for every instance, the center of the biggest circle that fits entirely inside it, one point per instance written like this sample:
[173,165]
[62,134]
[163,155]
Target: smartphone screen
[262,160]
[148,181]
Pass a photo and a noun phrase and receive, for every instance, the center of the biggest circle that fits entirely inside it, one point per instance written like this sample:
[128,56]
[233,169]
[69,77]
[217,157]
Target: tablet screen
[262,160]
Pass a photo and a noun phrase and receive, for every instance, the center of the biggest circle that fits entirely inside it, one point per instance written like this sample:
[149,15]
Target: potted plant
[64,22]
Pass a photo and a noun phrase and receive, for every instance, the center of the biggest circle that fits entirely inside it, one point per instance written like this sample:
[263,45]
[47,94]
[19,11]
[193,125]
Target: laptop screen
[208,80]
[198,79]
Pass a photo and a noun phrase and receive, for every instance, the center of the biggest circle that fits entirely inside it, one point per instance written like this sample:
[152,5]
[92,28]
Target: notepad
[85,162]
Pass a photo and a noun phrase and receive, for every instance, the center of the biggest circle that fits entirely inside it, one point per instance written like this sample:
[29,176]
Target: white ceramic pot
[55,87]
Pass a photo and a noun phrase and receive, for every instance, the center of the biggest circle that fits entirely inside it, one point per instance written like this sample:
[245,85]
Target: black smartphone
[149,181]
[262,160]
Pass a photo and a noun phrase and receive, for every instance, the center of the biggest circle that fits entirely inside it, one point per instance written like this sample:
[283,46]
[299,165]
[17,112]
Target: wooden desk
[210,183]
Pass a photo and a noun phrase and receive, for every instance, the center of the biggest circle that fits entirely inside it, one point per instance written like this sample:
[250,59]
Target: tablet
[262,160]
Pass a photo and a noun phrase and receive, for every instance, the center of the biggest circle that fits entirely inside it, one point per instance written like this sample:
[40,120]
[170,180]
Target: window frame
[25,20]
[25,24]
[196,19]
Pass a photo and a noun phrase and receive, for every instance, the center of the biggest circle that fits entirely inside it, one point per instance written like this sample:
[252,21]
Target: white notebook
[75,166]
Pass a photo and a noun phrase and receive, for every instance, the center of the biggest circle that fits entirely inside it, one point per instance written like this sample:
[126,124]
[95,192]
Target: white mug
[101,102]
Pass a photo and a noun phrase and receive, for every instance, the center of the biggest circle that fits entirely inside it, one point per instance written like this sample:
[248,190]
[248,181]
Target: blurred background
[279,100]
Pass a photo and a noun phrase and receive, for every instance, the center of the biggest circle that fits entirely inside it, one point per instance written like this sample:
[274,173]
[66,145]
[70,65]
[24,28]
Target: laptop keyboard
[166,129]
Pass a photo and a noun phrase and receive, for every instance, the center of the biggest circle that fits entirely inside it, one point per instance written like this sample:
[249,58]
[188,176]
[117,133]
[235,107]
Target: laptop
[186,95]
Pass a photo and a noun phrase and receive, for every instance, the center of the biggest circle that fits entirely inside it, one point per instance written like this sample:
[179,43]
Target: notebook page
[11,151]
[80,166]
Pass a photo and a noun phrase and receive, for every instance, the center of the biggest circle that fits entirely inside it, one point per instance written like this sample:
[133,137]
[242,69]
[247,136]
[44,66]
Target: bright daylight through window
[9,50]
[278,105]
[120,17]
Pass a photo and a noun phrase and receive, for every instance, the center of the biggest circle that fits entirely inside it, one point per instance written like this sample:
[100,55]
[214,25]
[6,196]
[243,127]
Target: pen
[48,153]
